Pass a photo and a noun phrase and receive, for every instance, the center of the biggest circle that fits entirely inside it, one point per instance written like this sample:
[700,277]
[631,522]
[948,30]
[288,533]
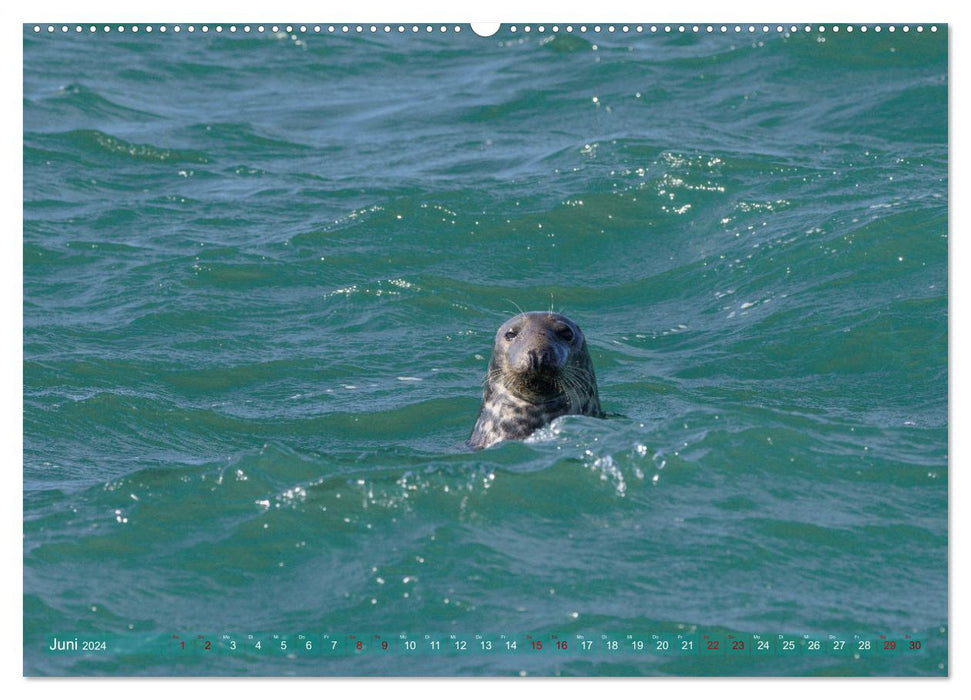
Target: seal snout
[541,359]
[537,356]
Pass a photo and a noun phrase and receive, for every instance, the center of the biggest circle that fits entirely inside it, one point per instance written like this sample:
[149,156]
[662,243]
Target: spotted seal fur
[540,369]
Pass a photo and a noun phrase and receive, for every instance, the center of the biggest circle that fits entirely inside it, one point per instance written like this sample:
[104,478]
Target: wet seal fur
[540,370]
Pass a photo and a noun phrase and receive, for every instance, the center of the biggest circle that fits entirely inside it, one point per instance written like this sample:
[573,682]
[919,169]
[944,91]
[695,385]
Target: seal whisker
[494,375]
[573,388]
[569,391]
[518,307]
[578,379]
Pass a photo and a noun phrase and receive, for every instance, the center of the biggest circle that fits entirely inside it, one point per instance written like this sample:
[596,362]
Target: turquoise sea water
[262,274]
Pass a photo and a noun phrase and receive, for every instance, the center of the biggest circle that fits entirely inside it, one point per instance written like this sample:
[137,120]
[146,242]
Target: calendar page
[525,349]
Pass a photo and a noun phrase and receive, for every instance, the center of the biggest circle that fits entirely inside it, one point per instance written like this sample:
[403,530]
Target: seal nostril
[537,359]
[533,360]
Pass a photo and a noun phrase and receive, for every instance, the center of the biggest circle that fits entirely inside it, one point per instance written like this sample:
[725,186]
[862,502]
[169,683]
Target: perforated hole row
[443,28]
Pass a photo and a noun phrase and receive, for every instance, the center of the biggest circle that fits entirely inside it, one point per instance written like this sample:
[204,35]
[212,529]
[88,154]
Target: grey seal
[540,369]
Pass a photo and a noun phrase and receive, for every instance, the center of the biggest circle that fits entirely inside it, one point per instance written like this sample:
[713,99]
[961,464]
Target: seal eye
[566,333]
[510,335]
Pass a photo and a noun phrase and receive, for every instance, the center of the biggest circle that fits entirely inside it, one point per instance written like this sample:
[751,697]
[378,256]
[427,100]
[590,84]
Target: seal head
[540,369]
